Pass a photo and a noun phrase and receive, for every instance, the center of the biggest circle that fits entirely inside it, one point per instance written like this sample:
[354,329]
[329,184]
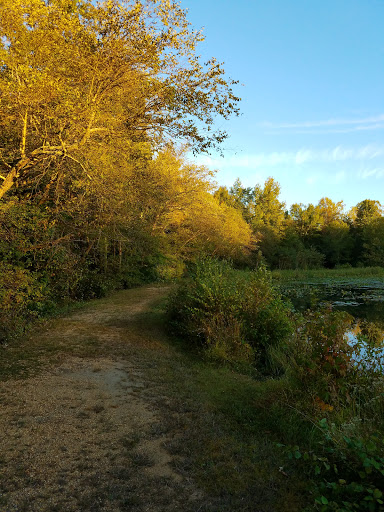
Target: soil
[89,431]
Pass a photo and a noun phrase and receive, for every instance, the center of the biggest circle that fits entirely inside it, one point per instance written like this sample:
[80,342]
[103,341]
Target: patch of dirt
[87,434]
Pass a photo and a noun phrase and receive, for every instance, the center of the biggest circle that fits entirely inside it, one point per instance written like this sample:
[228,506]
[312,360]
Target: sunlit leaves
[75,74]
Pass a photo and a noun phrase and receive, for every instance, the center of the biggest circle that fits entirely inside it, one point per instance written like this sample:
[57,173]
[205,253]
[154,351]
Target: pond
[364,301]
[361,301]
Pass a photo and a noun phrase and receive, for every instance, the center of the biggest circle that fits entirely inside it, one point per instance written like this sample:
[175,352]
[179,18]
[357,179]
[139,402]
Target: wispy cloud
[337,125]
[366,173]
[296,158]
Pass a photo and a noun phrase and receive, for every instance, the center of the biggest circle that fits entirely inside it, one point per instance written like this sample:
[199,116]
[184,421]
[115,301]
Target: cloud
[368,173]
[341,125]
[294,158]
[338,178]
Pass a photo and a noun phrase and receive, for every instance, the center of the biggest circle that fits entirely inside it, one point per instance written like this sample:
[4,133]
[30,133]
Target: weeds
[237,316]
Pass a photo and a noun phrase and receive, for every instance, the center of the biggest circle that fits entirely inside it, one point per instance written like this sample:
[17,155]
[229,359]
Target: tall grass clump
[236,316]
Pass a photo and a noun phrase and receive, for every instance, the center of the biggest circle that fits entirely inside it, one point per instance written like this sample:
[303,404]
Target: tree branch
[24,136]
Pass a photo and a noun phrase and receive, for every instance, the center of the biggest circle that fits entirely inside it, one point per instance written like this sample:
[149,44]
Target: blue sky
[312,95]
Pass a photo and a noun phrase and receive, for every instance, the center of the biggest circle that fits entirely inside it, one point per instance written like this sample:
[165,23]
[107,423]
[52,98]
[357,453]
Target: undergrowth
[334,386]
[235,316]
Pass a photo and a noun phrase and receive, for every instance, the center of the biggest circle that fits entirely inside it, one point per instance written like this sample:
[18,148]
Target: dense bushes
[235,315]
[335,384]
[338,384]
[20,296]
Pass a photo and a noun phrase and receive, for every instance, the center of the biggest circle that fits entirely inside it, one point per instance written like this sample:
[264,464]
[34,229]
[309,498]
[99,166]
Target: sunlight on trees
[99,105]
[76,75]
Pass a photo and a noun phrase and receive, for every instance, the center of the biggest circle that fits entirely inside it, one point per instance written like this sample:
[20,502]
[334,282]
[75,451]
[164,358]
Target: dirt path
[89,431]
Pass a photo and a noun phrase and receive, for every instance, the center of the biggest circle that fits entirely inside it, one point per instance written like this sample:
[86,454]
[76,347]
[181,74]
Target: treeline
[308,236]
[94,195]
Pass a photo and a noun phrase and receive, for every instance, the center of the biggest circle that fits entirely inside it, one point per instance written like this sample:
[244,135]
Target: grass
[234,425]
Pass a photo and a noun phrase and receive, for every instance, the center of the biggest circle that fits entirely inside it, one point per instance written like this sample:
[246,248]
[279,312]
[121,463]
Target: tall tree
[366,227]
[74,75]
[268,211]
[366,211]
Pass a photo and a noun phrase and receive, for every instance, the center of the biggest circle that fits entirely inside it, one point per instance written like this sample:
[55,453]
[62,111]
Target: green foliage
[21,297]
[347,471]
[373,242]
[319,357]
[170,269]
[236,315]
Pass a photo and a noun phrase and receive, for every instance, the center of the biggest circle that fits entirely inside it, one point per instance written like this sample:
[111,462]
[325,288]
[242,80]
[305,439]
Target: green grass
[321,275]
[231,434]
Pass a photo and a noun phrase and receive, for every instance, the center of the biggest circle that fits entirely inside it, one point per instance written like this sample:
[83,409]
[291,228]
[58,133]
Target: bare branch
[24,135]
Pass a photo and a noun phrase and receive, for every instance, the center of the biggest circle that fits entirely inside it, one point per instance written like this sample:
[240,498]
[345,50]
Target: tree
[373,244]
[242,198]
[332,236]
[365,214]
[75,75]
[268,212]
[366,211]
[223,196]
[330,212]
[185,217]
[307,218]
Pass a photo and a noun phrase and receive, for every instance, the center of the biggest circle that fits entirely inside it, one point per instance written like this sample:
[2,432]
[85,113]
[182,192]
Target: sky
[312,75]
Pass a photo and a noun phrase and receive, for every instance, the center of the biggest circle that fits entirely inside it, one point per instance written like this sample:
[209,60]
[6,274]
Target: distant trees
[309,236]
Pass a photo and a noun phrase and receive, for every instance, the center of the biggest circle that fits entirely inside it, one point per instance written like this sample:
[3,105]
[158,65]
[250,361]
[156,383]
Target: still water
[365,302]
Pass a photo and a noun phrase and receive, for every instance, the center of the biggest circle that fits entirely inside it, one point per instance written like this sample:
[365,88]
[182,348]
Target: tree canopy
[75,75]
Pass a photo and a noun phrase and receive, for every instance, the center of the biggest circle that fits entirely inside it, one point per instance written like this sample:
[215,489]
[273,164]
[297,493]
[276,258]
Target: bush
[347,471]
[319,356]
[21,298]
[331,372]
[235,315]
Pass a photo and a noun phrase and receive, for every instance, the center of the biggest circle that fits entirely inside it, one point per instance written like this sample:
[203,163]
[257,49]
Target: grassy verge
[327,406]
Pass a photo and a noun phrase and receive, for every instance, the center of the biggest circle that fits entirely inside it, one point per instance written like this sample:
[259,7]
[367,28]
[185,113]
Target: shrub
[21,297]
[329,370]
[236,315]
[319,357]
[347,471]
